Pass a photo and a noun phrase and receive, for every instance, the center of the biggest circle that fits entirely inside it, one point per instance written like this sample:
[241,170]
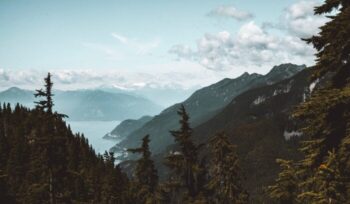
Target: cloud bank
[125,80]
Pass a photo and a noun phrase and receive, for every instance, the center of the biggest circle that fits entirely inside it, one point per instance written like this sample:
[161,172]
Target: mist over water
[94,132]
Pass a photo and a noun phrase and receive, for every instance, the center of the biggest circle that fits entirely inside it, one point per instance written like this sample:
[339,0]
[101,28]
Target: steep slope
[202,105]
[89,104]
[258,122]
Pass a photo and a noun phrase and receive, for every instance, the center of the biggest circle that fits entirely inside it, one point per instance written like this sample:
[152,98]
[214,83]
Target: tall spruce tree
[225,180]
[51,142]
[145,172]
[327,112]
[184,165]
[47,103]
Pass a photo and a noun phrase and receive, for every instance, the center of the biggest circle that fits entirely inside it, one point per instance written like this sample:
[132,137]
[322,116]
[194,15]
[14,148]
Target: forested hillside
[42,161]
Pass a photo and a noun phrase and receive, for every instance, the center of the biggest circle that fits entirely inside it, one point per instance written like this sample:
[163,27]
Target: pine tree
[47,103]
[326,113]
[284,191]
[52,141]
[225,177]
[333,43]
[186,169]
[145,172]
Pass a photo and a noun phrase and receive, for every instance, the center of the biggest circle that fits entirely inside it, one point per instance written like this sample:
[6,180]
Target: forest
[43,161]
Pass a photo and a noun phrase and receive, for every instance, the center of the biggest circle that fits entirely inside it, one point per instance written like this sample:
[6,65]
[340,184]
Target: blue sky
[153,36]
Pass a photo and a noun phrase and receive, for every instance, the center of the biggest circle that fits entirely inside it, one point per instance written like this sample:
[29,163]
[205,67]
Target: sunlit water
[94,132]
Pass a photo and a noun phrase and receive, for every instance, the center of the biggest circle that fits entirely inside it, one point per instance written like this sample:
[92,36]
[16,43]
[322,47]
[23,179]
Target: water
[94,131]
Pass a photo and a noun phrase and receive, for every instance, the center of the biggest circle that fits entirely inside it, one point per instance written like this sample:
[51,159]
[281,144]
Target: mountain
[202,105]
[126,127]
[16,95]
[164,95]
[101,105]
[258,122]
[89,104]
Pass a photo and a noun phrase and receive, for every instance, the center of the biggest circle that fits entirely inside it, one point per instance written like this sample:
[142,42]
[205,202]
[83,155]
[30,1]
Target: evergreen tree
[326,113]
[145,172]
[284,191]
[47,103]
[52,144]
[186,169]
[225,176]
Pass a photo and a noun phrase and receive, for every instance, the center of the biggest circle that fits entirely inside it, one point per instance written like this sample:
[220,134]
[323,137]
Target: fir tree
[186,170]
[225,176]
[145,172]
[47,103]
[326,113]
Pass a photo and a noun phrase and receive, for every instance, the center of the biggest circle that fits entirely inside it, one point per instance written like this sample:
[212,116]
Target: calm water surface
[94,131]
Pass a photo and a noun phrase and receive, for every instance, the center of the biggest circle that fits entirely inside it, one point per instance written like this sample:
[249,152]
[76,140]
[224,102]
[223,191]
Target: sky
[164,43]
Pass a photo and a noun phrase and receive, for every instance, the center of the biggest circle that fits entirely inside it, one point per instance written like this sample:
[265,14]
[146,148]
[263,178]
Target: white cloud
[251,48]
[257,47]
[141,48]
[299,19]
[230,12]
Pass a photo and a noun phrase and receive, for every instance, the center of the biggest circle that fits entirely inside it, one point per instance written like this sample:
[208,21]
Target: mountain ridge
[88,105]
[202,105]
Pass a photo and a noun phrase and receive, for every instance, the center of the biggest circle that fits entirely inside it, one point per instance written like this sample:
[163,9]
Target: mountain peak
[288,67]
[14,89]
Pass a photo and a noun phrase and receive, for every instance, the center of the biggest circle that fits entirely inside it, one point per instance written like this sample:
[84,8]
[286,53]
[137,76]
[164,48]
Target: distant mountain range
[165,96]
[89,104]
[203,105]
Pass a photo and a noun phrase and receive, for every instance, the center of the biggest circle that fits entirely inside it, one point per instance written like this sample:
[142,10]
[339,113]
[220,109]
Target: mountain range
[203,105]
[89,105]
